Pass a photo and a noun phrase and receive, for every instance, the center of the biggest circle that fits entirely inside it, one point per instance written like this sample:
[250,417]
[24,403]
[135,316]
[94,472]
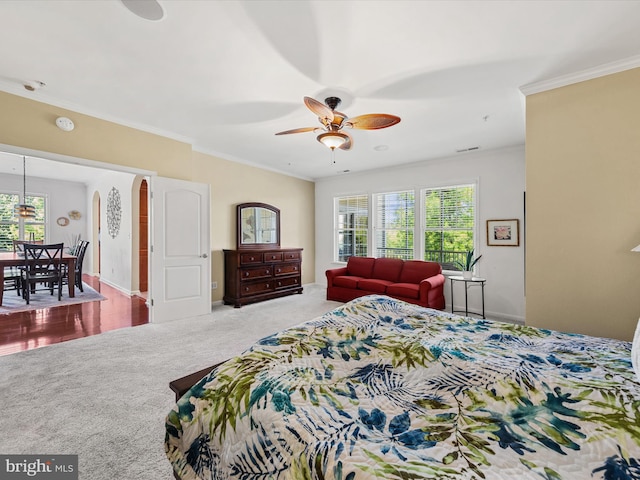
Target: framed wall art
[503,233]
[114,212]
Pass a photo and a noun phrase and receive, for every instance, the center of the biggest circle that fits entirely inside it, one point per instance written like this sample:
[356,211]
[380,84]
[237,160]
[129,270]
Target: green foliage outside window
[352,227]
[395,214]
[14,228]
[449,224]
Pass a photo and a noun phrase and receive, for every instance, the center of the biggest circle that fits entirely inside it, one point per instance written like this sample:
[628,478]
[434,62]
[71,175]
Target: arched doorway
[95,227]
[143,250]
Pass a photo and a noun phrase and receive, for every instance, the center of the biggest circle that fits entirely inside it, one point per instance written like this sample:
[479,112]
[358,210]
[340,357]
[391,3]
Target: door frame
[92,202]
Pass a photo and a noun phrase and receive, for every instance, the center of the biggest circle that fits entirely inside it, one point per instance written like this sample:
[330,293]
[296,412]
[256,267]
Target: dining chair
[12,274]
[79,252]
[42,266]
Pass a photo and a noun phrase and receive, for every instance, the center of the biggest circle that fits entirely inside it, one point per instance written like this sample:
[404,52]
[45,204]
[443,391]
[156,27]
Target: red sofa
[413,281]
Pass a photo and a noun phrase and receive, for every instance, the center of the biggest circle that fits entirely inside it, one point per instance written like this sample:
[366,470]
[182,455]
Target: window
[352,227]
[449,214]
[14,228]
[447,230]
[394,227]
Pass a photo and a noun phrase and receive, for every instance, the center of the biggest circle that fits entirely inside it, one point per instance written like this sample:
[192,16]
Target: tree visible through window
[449,224]
[395,214]
[352,226]
[15,228]
[447,230]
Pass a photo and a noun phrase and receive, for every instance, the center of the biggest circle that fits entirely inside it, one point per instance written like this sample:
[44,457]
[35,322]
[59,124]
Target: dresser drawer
[273,257]
[287,282]
[256,272]
[292,256]
[261,274]
[287,268]
[250,258]
[256,287]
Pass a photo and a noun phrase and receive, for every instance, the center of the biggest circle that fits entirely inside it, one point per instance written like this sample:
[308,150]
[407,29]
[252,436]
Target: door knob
[204,255]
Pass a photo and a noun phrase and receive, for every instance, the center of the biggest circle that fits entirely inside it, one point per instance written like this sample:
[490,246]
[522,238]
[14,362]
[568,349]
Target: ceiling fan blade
[372,121]
[348,144]
[321,110]
[298,130]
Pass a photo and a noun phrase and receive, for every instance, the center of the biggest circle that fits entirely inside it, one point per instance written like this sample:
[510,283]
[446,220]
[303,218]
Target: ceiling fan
[333,122]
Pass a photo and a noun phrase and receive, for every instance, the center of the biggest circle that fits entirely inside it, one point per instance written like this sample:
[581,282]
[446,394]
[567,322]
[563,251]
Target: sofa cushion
[374,285]
[347,281]
[387,269]
[360,266]
[413,271]
[408,290]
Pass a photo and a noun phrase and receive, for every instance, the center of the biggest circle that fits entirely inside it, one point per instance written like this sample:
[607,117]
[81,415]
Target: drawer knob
[267,271]
[246,274]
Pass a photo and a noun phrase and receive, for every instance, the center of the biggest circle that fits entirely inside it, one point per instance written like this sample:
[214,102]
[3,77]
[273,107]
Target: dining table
[14,259]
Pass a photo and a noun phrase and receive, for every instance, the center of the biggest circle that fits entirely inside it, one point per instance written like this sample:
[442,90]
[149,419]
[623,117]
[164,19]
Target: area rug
[12,303]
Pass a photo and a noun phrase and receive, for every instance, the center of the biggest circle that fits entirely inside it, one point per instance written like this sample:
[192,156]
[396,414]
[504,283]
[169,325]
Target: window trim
[22,222]
[336,212]
[419,226]
[374,217]
[476,221]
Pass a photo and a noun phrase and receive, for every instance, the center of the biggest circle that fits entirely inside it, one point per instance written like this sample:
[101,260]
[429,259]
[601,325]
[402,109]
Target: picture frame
[503,233]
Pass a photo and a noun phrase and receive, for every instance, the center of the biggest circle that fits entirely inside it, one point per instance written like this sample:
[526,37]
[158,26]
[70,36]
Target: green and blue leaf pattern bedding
[379,388]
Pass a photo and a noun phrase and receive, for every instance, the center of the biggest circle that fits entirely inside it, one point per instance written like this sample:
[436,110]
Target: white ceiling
[227,75]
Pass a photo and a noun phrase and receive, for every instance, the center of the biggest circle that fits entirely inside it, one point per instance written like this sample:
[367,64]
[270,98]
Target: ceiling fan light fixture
[333,140]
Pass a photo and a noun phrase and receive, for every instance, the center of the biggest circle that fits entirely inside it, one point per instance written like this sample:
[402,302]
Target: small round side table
[468,282]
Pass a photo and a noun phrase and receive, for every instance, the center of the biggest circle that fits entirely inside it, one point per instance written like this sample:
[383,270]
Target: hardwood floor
[37,328]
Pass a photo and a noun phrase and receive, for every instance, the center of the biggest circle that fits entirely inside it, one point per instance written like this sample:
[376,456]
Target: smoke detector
[34,85]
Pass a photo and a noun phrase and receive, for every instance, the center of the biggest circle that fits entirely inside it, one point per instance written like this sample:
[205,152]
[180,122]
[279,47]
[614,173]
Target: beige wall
[583,207]
[29,124]
[233,183]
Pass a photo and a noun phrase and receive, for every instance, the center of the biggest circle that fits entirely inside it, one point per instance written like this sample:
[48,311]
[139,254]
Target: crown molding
[42,97]
[581,76]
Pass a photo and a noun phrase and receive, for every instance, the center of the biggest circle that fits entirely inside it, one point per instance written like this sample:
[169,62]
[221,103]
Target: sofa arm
[432,291]
[432,282]
[333,273]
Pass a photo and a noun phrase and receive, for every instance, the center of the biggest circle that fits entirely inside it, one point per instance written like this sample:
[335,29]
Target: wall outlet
[214,285]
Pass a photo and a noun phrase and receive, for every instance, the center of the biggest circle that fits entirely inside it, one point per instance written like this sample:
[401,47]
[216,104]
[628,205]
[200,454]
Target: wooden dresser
[256,275]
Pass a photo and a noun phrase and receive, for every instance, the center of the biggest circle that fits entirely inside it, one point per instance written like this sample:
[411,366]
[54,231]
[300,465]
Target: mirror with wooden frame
[258,226]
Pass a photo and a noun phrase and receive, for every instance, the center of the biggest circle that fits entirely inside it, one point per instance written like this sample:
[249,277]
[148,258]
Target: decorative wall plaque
[114,212]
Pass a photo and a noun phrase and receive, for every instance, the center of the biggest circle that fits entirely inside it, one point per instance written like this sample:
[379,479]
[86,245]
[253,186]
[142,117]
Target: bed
[379,388]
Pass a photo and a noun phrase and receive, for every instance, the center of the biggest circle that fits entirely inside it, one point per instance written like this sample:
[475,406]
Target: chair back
[43,261]
[81,250]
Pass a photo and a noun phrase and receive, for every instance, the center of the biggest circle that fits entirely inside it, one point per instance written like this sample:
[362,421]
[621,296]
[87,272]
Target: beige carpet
[105,398]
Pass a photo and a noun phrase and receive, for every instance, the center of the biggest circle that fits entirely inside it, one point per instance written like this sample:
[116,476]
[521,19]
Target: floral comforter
[379,388]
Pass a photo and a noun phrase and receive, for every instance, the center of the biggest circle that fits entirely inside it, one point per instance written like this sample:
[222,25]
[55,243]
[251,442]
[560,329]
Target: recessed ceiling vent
[470,149]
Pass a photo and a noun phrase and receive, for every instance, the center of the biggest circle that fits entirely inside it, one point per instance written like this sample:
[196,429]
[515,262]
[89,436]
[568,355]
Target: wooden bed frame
[181,385]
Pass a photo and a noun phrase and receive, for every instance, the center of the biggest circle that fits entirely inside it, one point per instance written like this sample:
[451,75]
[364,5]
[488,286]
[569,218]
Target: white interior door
[180,249]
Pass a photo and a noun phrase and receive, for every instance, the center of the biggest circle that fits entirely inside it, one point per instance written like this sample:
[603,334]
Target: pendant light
[22,209]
